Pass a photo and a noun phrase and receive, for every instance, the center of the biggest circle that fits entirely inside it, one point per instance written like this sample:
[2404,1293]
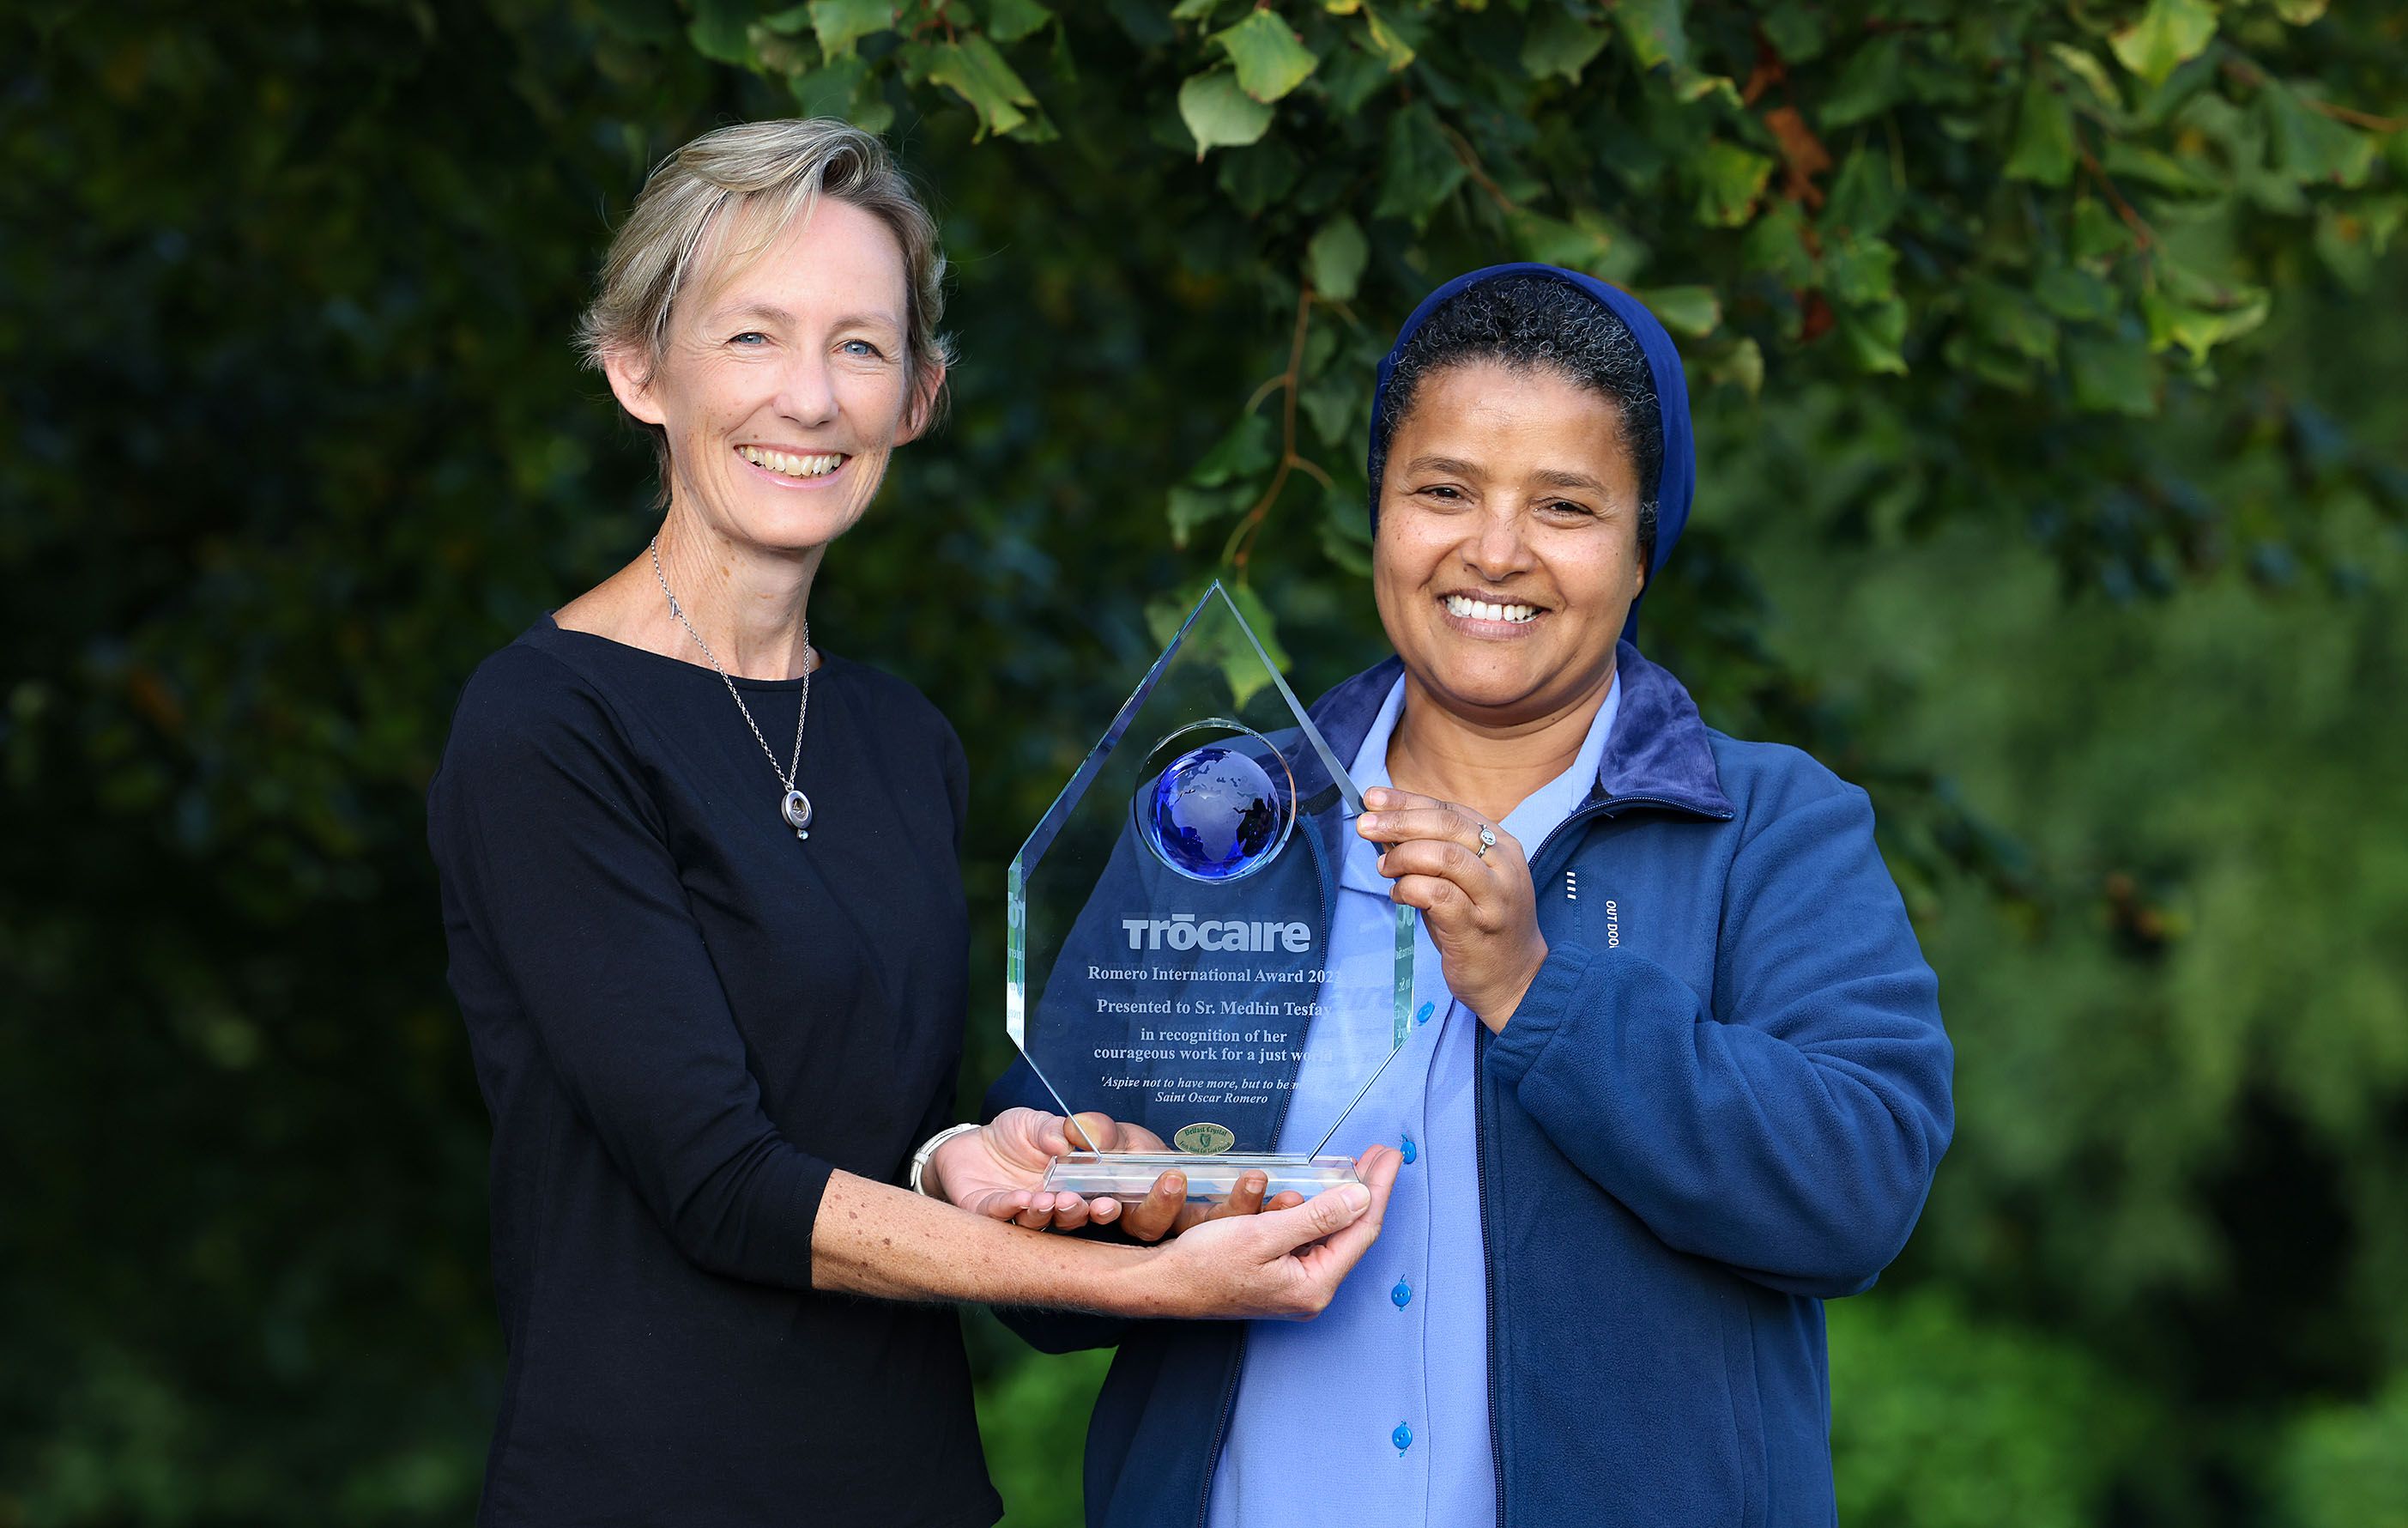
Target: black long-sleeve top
[684,1020]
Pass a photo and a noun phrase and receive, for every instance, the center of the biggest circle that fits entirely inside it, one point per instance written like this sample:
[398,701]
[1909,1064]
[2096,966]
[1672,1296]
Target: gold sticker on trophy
[1203,1138]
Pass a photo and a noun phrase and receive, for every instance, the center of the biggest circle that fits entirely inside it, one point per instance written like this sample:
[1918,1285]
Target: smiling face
[784,381]
[1507,556]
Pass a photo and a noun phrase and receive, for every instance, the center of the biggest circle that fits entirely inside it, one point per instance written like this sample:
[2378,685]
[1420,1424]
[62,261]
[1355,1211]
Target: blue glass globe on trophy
[1221,810]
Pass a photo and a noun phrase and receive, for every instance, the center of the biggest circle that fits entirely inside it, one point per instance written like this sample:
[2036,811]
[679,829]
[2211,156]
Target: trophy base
[1211,1176]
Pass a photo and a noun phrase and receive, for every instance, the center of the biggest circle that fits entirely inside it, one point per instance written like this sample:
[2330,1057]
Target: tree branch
[2145,235]
[1240,545]
[2249,72]
[1471,161]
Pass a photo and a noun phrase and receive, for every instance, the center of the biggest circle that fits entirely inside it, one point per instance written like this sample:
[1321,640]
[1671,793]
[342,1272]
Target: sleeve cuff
[783,1254]
[1544,1009]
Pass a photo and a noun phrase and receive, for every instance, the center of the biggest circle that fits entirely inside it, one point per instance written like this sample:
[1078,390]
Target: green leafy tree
[2053,217]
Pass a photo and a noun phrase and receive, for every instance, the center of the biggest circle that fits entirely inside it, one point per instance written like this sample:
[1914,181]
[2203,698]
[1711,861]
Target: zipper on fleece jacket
[1488,1261]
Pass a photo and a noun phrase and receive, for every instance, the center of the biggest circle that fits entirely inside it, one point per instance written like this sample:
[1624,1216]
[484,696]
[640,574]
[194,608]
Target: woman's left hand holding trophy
[994,1171]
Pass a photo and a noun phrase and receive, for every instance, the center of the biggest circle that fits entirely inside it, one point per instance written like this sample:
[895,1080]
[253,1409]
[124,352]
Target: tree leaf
[2168,34]
[1692,85]
[1330,404]
[1188,508]
[1560,43]
[1692,310]
[1347,552]
[2199,309]
[2096,232]
[2112,374]
[1590,242]
[777,56]
[869,109]
[1865,196]
[1243,670]
[1066,68]
[1258,616]
[2083,65]
[1655,31]
[2200,330]
[1775,244]
[1351,77]
[1741,362]
[1729,180]
[1802,154]
[2010,320]
[1271,59]
[1222,643]
[2071,293]
[2352,239]
[1860,271]
[841,24]
[1008,21]
[973,70]
[1796,30]
[1419,168]
[1334,261]
[2310,146]
[1966,351]
[1247,449]
[1876,335]
[1259,175]
[2186,284]
[1392,49]
[830,92]
[2126,160]
[1874,80]
[2043,148]
[718,31]
[1165,614]
[1320,344]
[1219,114]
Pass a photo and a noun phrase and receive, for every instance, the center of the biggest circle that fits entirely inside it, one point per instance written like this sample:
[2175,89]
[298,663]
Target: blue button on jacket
[1721,1102]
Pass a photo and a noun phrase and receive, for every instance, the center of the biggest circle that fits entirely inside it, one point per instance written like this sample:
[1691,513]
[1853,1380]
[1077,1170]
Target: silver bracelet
[920,1158]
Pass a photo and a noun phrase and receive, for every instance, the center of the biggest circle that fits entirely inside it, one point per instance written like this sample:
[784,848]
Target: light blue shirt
[1376,1411]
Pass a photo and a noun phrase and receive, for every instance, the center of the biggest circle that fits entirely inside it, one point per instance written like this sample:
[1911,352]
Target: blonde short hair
[770,174]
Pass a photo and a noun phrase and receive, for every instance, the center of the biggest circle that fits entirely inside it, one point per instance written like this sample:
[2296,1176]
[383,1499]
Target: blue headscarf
[1678,484]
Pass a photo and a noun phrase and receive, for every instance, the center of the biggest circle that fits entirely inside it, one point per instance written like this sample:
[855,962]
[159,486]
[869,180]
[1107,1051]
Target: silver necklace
[796,807]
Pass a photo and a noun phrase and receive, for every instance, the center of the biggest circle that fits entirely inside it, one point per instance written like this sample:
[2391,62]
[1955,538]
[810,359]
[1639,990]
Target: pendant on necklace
[797,810]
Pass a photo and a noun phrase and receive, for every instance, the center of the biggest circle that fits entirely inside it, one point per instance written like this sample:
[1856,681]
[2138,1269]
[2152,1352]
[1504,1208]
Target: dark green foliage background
[2052,486]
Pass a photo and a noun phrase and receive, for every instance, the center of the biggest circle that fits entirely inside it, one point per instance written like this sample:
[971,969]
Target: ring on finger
[1487,841]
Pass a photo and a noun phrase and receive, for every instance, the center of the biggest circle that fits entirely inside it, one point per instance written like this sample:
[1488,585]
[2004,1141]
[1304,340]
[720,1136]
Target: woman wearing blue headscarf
[1678,1073]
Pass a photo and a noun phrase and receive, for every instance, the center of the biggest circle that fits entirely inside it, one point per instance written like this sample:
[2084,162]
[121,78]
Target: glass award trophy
[1170,961]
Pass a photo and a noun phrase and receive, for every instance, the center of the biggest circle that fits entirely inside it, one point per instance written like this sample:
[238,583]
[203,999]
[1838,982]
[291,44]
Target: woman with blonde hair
[709,933]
